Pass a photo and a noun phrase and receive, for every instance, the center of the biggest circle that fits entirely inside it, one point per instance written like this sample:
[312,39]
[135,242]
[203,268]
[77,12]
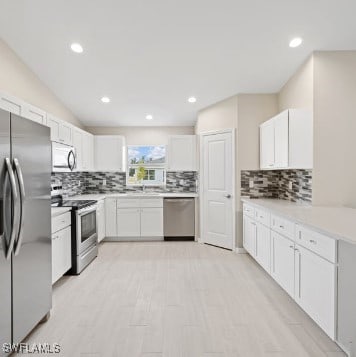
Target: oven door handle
[86,211]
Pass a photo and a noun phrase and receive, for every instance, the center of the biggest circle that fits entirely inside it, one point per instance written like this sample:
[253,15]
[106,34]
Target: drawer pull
[312,241]
[262,217]
[281,226]
[292,247]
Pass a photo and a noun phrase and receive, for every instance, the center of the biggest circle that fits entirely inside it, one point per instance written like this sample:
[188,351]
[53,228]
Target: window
[146,165]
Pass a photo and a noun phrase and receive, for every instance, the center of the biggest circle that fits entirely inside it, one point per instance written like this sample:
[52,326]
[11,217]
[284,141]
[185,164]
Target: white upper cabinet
[300,139]
[60,131]
[77,143]
[182,153]
[281,140]
[109,153]
[35,114]
[11,103]
[267,145]
[286,141]
[87,152]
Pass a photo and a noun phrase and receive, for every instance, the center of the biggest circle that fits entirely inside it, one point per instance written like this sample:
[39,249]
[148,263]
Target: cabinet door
[315,288]
[67,250]
[34,114]
[282,269]
[77,144]
[182,153]
[61,253]
[65,133]
[100,216]
[128,222]
[281,140]
[110,217]
[56,257]
[300,139]
[108,151]
[11,104]
[54,124]
[249,235]
[267,145]
[152,222]
[88,152]
[263,246]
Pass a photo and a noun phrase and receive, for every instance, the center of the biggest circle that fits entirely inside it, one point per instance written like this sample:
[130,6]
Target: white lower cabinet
[134,218]
[315,286]
[283,262]
[110,217]
[100,220]
[303,262]
[263,246]
[128,222]
[61,246]
[249,235]
[152,222]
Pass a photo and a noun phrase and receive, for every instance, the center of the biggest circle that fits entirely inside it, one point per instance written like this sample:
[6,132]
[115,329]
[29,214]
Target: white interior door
[217,176]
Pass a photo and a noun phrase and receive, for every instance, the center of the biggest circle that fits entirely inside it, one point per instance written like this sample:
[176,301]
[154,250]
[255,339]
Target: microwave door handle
[16,216]
[71,167]
[22,200]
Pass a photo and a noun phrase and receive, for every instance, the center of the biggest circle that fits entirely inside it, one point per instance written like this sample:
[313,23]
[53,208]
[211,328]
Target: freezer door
[32,289]
[5,222]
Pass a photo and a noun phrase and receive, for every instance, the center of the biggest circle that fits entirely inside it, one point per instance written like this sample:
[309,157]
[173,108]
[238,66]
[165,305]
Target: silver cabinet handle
[281,227]
[228,196]
[292,247]
[312,241]
[16,215]
[22,200]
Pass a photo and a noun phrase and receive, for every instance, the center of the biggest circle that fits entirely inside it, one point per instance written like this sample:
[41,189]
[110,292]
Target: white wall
[298,91]
[334,173]
[18,80]
[143,135]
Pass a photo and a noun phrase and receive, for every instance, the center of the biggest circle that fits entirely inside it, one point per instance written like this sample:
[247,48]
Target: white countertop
[56,211]
[338,222]
[101,196]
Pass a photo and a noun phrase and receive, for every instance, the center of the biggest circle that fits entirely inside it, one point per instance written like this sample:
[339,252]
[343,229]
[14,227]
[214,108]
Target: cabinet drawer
[61,221]
[152,202]
[263,217]
[249,210]
[316,242]
[282,226]
[128,203]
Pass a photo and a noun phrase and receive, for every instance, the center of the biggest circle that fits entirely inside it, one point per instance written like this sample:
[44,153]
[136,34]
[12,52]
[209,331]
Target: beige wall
[253,109]
[334,173]
[222,115]
[143,135]
[298,91]
[18,80]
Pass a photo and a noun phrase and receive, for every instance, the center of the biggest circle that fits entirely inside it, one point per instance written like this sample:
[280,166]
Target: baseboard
[240,250]
[133,239]
[199,240]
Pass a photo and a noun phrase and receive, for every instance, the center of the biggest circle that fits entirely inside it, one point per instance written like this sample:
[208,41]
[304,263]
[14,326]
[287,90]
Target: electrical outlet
[79,183]
[251,183]
[104,182]
[181,182]
[290,185]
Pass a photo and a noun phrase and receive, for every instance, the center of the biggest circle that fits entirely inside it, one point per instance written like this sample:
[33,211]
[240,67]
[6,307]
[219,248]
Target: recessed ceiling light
[149,117]
[295,42]
[76,47]
[105,99]
[192,99]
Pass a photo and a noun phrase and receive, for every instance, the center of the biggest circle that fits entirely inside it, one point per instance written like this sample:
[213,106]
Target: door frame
[231,131]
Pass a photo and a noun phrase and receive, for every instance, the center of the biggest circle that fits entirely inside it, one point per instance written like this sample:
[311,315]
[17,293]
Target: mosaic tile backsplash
[76,183]
[275,184]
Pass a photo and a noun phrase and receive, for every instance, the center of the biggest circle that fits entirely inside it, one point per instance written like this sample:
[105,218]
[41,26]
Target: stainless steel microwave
[63,158]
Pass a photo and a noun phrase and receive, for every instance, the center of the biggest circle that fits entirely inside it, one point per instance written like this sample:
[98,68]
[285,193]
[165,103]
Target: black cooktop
[75,204]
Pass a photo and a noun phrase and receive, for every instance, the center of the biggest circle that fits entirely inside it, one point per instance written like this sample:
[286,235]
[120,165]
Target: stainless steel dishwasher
[179,218]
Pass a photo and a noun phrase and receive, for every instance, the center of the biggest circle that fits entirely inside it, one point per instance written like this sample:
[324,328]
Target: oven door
[86,228]
[63,158]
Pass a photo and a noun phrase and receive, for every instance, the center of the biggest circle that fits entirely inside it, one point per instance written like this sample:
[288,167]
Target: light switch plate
[290,185]
[104,182]
[251,183]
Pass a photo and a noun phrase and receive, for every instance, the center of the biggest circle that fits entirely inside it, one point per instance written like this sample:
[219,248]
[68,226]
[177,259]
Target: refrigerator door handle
[16,216]
[22,200]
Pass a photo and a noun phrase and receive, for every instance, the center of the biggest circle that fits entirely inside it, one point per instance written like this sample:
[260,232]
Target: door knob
[228,196]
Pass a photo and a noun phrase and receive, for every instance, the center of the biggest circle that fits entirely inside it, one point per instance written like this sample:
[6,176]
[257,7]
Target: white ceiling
[149,56]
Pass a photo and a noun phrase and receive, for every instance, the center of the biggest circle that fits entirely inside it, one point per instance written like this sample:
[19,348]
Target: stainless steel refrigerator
[25,227]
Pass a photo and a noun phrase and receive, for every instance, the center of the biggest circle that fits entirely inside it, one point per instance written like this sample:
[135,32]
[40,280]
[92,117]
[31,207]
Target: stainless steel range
[84,232]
